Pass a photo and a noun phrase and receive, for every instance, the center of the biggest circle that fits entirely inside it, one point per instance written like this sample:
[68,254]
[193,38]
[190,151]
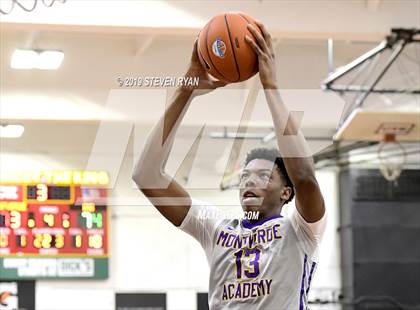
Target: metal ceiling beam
[397,41]
[352,65]
[358,88]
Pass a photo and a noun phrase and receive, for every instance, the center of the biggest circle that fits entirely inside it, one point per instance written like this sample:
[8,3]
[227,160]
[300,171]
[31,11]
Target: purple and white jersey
[265,265]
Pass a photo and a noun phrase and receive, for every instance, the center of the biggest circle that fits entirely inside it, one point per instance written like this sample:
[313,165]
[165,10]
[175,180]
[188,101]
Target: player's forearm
[291,142]
[149,170]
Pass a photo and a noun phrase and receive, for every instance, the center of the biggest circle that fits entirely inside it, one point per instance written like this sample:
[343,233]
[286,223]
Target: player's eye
[265,176]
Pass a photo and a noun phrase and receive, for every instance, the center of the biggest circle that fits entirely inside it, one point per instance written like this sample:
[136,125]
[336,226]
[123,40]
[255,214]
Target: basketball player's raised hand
[263,47]
[196,69]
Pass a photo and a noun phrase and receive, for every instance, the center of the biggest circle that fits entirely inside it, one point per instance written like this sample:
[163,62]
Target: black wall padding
[374,187]
[380,240]
[202,301]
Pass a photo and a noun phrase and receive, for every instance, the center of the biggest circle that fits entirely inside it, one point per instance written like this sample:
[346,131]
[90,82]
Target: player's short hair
[274,156]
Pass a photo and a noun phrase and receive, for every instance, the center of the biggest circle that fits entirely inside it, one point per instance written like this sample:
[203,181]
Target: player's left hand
[263,46]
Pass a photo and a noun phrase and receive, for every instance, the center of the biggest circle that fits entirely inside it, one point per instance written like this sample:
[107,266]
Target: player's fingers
[195,48]
[263,29]
[219,84]
[259,38]
[265,33]
[194,54]
[254,45]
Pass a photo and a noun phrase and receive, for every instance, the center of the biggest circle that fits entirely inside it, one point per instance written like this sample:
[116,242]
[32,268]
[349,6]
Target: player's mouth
[250,197]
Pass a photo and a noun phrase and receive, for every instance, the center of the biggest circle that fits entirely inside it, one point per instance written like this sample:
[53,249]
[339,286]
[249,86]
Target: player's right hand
[206,82]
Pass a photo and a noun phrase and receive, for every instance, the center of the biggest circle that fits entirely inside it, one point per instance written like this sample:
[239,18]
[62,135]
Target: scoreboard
[54,225]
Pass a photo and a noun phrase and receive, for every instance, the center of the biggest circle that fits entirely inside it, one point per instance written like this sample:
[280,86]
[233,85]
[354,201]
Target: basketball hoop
[390,162]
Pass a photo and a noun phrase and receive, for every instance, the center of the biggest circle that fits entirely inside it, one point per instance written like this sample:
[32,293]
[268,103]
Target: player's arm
[292,144]
[168,196]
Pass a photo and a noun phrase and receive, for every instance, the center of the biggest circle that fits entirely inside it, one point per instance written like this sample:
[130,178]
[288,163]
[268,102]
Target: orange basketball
[222,48]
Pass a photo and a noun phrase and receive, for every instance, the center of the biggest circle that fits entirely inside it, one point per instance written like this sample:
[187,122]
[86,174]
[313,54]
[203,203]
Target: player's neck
[275,212]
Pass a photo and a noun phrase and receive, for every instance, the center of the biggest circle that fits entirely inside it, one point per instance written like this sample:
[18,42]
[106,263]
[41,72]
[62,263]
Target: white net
[7,6]
[392,157]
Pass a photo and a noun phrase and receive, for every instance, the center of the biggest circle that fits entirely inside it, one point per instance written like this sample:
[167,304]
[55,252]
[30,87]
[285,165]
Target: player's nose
[251,181]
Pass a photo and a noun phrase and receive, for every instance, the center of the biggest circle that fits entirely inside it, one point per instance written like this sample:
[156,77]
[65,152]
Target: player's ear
[286,191]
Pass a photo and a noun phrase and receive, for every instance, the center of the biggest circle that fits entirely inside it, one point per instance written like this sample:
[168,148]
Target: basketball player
[265,264]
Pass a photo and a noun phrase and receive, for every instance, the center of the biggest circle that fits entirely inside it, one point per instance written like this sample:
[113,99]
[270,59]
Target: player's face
[261,187]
